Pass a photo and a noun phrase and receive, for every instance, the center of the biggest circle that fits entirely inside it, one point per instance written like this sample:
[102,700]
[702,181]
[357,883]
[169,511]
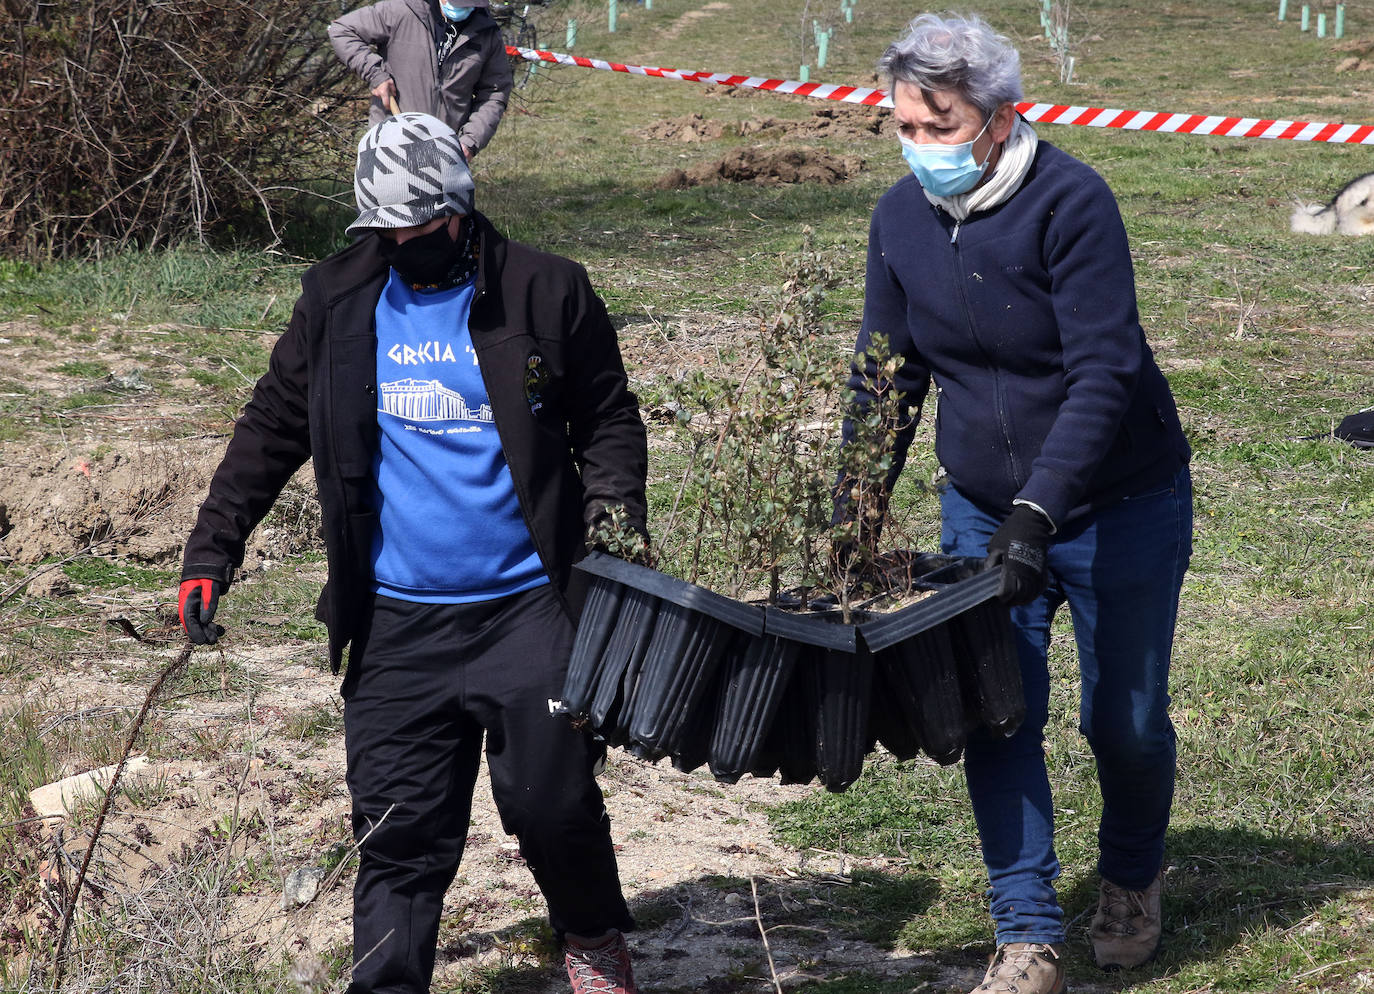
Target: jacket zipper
[522,497]
[996,371]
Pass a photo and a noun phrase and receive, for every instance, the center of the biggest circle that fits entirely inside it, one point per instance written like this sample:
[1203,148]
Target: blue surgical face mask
[455,13]
[945,170]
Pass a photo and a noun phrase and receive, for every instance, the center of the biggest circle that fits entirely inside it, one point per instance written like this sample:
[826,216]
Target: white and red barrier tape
[1093,117]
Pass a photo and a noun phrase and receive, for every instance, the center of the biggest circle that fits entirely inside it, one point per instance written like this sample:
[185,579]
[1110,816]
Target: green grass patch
[113,574]
[84,369]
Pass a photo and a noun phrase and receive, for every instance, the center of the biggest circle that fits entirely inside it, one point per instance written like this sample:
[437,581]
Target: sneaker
[602,969]
[1025,968]
[1126,929]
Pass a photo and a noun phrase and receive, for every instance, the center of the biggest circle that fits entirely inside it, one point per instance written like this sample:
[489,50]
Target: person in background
[434,58]
[464,402]
[1000,270]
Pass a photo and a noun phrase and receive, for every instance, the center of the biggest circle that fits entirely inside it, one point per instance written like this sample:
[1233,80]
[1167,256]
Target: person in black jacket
[1000,270]
[464,402]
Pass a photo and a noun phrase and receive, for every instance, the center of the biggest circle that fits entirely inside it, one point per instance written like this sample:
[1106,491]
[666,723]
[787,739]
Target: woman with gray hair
[1000,269]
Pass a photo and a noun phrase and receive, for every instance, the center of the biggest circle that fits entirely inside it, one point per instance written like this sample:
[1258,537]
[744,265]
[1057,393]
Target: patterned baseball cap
[410,170]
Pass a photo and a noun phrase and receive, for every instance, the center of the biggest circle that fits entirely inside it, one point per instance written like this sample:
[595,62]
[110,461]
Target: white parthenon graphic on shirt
[427,400]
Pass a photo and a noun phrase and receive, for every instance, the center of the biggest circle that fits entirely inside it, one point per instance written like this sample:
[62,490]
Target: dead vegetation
[142,124]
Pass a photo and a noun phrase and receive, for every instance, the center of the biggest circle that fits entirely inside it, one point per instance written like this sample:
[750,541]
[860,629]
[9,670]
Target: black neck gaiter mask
[434,261]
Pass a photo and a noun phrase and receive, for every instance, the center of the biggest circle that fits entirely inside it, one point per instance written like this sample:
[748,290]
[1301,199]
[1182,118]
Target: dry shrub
[142,122]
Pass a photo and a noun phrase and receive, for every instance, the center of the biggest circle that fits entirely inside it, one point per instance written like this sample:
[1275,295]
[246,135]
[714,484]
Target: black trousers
[426,682]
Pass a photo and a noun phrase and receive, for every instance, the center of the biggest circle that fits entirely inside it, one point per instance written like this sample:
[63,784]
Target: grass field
[1265,336]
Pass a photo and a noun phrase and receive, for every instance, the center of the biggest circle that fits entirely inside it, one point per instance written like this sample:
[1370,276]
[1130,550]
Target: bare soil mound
[690,128]
[134,499]
[768,167]
[834,122]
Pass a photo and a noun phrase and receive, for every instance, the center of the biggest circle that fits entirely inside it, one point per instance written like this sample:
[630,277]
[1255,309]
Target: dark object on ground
[1357,429]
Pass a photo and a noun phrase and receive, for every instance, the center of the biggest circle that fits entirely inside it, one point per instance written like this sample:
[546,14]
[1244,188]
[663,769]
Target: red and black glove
[196,606]
[1019,547]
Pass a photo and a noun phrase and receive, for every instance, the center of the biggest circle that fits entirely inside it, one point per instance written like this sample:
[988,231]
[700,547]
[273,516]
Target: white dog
[1351,212]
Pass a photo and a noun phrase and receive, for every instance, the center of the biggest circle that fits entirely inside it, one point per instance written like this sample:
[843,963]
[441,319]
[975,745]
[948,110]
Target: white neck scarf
[1011,169]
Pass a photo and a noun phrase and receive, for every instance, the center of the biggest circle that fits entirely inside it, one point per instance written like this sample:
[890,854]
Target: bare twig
[337,872]
[763,934]
[160,122]
[60,954]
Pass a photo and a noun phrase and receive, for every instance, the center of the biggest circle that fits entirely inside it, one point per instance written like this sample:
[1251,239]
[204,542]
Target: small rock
[57,799]
[734,900]
[301,886]
[309,975]
[53,583]
[132,380]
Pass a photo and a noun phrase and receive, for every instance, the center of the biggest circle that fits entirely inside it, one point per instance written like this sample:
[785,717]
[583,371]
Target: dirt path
[259,792]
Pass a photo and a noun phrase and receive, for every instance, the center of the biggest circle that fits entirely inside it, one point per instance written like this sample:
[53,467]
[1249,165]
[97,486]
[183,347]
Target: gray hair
[953,52]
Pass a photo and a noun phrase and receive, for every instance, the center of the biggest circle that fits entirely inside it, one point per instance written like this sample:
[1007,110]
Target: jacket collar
[361,262]
[491,253]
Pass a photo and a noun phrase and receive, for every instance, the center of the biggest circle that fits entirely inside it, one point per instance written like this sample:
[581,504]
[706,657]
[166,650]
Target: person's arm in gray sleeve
[359,39]
[489,96]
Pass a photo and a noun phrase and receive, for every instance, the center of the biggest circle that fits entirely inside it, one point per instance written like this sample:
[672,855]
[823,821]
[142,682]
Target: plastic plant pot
[754,679]
[888,722]
[789,749]
[604,598]
[843,684]
[693,746]
[680,664]
[838,674]
[917,649]
[622,659]
[986,647]
[924,680]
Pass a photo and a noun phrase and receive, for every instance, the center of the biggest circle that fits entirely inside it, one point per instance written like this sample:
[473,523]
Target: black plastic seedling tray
[667,668]
[958,588]
[748,618]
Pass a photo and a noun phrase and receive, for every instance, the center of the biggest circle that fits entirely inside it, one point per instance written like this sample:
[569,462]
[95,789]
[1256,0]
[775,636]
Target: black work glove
[1019,548]
[614,534]
[197,603]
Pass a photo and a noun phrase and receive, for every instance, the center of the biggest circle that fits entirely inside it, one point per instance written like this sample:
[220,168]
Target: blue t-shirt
[449,528]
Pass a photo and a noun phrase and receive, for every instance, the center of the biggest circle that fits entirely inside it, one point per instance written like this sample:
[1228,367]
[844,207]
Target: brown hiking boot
[1126,929]
[1025,968]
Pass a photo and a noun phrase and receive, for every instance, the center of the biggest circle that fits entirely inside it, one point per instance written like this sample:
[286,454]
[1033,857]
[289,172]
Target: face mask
[425,260]
[454,13]
[945,170]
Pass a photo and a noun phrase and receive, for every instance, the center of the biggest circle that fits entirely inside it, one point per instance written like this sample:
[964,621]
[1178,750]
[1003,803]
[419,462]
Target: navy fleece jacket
[1026,319]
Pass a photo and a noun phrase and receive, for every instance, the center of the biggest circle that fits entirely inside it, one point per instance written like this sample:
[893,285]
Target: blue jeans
[1120,570]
